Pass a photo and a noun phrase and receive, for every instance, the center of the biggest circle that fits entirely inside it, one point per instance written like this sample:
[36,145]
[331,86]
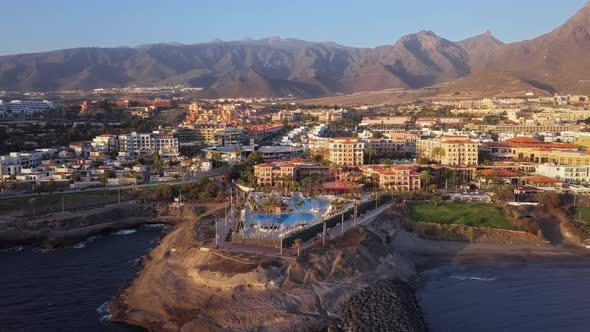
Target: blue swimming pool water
[299,214]
[283,218]
[311,203]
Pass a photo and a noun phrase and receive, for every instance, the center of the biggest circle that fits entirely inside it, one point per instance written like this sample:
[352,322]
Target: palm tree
[391,186]
[298,243]
[436,200]
[334,171]
[388,163]
[370,152]
[455,178]
[425,177]
[478,176]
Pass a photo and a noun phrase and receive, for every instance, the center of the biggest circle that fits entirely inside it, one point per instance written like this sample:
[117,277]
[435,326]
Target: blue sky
[40,25]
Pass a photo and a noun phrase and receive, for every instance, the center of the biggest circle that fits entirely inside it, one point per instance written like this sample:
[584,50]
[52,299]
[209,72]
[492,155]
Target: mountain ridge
[275,66]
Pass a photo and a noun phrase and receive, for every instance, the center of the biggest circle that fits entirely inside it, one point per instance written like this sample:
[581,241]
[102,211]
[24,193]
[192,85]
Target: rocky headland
[58,229]
[360,282]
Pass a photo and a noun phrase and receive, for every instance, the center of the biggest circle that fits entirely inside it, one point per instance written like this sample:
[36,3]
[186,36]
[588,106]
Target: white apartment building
[146,143]
[27,106]
[13,163]
[105,143]
[569,174]
[483,103]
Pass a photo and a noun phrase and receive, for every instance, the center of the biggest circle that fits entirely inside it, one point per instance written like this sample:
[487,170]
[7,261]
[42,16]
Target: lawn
[585,214]
[52,203]
[470,214]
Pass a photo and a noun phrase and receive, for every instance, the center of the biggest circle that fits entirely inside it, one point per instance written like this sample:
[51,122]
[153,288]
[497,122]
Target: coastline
[57,230]
[188,287]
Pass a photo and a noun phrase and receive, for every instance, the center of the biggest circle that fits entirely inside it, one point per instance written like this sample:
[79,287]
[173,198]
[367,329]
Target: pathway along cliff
[184,288]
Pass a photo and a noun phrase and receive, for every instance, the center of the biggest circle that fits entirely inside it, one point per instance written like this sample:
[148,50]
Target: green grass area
[470,214]
[52,203]
[584,212]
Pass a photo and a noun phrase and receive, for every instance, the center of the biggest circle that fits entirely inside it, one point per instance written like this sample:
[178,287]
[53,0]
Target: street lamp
[216,235]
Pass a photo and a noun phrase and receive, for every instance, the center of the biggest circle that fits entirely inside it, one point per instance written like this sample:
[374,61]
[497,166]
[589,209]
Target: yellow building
[583,141]
[346,151]
[449,150]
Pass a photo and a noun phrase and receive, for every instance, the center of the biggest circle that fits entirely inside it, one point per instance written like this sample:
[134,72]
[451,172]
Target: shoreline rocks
[60,231]
[388,305]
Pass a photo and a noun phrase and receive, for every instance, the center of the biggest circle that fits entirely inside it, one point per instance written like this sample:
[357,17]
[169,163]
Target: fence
[310,232]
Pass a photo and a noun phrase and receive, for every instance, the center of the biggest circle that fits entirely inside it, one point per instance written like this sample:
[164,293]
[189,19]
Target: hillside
[554,62]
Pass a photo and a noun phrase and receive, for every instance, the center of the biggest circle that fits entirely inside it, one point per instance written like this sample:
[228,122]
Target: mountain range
[554,62]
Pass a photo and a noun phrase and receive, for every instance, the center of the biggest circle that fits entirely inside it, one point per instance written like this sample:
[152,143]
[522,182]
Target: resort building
[449,150]
[386,123]
[523,148]
[274,174]
[280,152]
[346,151]
[389,148]
[524,128]
[397,178]
[568,174]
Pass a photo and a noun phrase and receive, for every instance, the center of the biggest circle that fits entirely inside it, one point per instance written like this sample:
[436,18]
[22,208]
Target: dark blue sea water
[508,297]
[68,289]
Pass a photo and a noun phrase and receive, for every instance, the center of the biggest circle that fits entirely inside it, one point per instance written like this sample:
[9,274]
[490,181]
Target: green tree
[156,162]
[105,176]
[370,152]
[425,178]
[388,163]
[254,158]
[436,200]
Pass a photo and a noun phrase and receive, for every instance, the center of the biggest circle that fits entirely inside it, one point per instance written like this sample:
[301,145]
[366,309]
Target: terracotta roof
[503,173]
[287,165]
[265,165]
[523,140]
[542,179]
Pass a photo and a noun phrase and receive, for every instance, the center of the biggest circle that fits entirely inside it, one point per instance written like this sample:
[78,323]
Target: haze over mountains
[554,62]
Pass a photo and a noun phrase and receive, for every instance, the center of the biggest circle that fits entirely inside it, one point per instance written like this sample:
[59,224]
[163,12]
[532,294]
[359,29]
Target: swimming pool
[283,218]
[305,213]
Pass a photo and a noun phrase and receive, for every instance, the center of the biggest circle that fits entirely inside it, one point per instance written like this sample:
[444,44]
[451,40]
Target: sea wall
[462,233]
[388,305]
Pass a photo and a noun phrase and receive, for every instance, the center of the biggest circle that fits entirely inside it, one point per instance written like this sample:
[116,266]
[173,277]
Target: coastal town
[532,143]
[290,169]
[392,166]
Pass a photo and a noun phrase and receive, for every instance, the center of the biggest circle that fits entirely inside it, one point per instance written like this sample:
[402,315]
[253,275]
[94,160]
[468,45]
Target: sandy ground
[183,287]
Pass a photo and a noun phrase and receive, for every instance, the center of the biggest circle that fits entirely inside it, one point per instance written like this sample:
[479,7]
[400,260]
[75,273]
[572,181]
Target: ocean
[507,297]
[69,289]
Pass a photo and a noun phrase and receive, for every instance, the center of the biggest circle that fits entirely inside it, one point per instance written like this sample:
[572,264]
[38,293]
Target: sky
[41,25]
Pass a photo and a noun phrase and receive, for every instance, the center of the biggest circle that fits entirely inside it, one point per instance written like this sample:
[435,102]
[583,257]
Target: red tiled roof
[503,173]
[523,140]
[265,165]
[542,179]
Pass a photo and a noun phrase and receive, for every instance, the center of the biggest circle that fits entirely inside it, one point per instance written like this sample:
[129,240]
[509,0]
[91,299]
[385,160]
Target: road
[214,173]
